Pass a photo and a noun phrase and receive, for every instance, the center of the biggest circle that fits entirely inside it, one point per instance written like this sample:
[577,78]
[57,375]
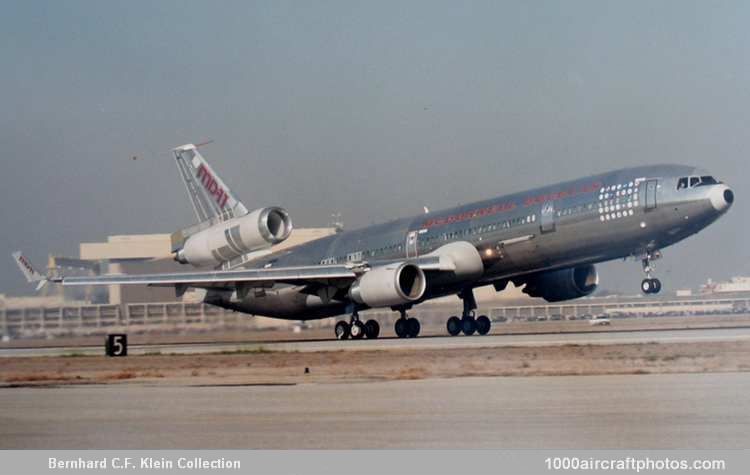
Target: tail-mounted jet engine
[230,239]
[564,284]
[389,285]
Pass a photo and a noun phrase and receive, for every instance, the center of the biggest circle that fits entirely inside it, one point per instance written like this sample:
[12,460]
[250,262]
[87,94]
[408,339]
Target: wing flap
[220,278]
[266,277]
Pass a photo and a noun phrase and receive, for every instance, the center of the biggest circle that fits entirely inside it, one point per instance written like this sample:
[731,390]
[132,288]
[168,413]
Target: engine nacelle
[230,239]
[564,284]
[389,285]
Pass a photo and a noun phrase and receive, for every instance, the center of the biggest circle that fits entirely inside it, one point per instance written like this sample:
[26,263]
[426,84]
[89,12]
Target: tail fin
[32,276]
[210,196]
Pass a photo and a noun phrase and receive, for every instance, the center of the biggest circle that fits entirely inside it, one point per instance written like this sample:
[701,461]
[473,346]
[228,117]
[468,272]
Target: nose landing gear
[650,285]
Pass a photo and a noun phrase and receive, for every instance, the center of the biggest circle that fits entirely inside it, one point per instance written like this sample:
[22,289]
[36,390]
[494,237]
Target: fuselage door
[650,201]
[548,217]
[411,244]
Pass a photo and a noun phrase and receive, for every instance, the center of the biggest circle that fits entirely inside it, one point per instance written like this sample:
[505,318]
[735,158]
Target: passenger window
[694,180]
[682,183]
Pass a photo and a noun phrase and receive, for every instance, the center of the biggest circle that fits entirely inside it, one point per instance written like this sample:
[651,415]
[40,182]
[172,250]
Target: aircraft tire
[372,329]
[357,330]
[468,325]
[401,328]
[341,330]
[454,326]
[483,325]
[412,327]
[657,286]
[647,286]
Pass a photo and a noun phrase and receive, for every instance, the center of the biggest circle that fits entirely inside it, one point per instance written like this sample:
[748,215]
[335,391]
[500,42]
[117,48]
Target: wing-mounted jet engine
[389,285]
[399,285]
[226,229]
[563,284]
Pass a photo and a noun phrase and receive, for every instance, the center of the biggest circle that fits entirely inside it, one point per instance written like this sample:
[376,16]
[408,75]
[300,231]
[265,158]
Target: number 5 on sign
[116,345]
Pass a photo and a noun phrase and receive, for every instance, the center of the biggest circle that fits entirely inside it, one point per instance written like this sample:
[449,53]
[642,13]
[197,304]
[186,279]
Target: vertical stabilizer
[210,196]
[29,272]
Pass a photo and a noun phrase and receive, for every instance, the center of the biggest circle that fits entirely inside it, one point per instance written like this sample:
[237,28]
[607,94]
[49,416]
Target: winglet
[31,274]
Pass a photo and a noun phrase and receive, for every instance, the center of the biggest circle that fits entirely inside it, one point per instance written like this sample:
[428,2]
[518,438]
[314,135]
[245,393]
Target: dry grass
[118,376]
[410,374]
[41,377]
[382,365]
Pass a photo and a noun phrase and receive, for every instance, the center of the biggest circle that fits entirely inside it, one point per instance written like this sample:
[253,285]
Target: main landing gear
[355,329]
[406,327]
[468,323]
[650,285]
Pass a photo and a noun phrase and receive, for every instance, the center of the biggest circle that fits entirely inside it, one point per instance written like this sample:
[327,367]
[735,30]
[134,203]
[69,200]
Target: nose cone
[722,198]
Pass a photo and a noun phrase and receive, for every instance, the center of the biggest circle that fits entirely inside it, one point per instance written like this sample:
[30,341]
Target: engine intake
[564,284]
[230,239]
[389,285]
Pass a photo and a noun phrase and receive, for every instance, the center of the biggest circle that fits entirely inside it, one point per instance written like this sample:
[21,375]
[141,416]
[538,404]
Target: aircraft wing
[229,279]
[209,279]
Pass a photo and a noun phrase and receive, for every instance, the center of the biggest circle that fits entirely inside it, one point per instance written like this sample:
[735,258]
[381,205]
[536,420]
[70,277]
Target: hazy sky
[372,109]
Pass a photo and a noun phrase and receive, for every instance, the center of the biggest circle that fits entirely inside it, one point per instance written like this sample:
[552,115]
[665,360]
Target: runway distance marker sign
[116,344]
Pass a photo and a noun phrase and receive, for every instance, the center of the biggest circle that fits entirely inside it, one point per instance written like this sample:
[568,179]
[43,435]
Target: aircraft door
[650,201]
[547,220]
[411,244]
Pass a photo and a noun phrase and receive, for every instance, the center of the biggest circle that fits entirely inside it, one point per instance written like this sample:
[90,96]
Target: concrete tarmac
[687,335]
[707,410]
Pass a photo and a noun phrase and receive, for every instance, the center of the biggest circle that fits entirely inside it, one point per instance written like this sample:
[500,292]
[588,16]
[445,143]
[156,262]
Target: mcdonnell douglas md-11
[546,239]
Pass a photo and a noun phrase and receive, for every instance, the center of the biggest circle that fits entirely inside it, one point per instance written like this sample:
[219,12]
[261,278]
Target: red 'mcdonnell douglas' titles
[500,208]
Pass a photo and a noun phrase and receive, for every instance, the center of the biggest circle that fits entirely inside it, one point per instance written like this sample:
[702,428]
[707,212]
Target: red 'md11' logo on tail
[212,186]
[26,264]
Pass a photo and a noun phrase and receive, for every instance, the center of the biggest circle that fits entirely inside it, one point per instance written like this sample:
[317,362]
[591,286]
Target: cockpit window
[693,181]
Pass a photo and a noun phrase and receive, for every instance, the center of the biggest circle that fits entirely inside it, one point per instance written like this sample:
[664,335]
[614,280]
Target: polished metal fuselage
[628,212]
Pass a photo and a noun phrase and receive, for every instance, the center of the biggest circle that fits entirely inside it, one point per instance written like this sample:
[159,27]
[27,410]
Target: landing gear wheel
[657,286]
[651,286]
[468,325]
[342,330]
[372,329]
[357,330]
[483,325]
[401,328]
[453,326]
[412,327]
[646,286]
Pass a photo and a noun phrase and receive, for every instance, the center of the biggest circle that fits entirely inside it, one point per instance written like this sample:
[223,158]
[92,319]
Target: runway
[615,411]
[687,335]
